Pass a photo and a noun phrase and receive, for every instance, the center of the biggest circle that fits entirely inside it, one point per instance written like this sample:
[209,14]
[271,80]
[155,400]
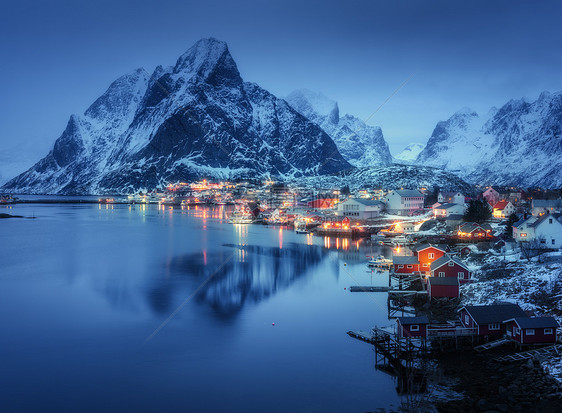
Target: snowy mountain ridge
[517,144]
[360,144]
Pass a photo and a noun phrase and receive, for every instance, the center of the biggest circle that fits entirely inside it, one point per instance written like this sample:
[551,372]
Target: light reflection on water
[84,285]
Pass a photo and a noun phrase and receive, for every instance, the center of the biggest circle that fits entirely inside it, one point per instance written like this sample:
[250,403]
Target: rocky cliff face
[359,143]
[195,119]
[518,144]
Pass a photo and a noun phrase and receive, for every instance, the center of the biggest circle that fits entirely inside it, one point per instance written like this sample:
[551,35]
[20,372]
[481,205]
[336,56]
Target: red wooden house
[427,253]
[414,327]
[443,287]
[532,330]
[488,319]
[405,264]
[448,266]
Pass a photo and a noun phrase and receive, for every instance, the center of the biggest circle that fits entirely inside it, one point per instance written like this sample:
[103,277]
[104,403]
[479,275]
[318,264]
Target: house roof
[368,202]
[421,247]
[409,192]
[501,205]
[471,226]
[495,313]
[544,218]
[535,322]
[447,206]
[405,259]
[406,321]
[455,217]
[443,280]
[444,260]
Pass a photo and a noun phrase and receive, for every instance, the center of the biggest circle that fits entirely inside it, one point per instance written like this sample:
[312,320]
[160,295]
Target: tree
[478,211]
[533,248]
[513,218]
[345,191]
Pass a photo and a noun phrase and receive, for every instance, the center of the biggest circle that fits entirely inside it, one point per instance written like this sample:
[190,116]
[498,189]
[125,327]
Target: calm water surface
[148,309]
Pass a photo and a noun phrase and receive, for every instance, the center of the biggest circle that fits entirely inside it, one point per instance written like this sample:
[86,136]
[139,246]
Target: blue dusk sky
[59,56]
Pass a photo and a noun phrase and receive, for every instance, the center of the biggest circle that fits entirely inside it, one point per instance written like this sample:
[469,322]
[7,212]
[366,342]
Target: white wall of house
[452,209]
[549,231]
[356,209]
[506,212]
[404,204]
[457,198]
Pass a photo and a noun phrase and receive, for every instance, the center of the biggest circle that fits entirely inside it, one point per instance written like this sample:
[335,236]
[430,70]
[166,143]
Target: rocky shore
[490,386]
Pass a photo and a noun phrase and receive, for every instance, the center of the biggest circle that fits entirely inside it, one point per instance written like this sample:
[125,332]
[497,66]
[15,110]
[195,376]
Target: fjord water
[144,308]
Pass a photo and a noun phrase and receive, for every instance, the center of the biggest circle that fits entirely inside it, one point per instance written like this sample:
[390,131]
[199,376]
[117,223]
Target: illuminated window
[523,235]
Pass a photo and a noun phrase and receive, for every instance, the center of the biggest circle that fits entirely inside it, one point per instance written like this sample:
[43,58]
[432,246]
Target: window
[523,235]
[517,331]
[494,326]
[400,266]
[441,274]
[414,327]
[553,241]
[461,274]
[548,331]
[543,241]
[430,255]
[410,266]
[530,332]
[466,319]
[550,220]
[451,264]
[425,265]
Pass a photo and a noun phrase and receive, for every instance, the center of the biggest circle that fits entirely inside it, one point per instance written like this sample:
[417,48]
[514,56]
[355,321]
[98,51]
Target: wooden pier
[552,350]
[368,289]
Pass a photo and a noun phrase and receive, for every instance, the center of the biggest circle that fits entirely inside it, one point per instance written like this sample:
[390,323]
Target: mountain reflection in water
[246,274]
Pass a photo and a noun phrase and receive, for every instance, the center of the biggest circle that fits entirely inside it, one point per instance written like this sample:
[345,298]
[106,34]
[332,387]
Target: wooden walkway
[492,344]
[552,350]
[368,289]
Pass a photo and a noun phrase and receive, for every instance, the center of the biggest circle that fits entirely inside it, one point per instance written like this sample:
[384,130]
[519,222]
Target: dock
[553,350]
[368,289]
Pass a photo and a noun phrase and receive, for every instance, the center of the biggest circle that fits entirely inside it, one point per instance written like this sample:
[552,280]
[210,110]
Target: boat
[240,217]
[380,262]
[400,240]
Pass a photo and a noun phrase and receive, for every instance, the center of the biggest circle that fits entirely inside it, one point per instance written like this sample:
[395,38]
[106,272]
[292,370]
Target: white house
[360,208]
[443,211]
[546,228]
[404,202]
[450,198]
[503,209]
[545,206]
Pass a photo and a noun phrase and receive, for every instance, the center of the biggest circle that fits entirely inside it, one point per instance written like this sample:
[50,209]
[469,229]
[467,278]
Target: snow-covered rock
[518,144]
[359,143]
[195,119]
[410,153]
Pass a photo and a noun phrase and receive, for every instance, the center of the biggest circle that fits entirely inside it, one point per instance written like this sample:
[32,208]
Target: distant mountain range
[410,153]
[359,143]
[518,144]
[199,119]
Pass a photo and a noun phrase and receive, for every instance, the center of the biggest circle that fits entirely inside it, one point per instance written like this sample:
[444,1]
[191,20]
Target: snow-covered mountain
[195,119]
[410,153]
[518,144]
[391,177]
[359,143]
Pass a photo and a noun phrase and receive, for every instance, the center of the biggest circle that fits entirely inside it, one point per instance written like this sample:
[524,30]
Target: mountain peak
[204,57]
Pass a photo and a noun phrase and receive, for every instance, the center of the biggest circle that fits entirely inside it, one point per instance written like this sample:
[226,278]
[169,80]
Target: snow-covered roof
[444,260]
[368,202]
[446,206]
[409,192]
[421,247]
